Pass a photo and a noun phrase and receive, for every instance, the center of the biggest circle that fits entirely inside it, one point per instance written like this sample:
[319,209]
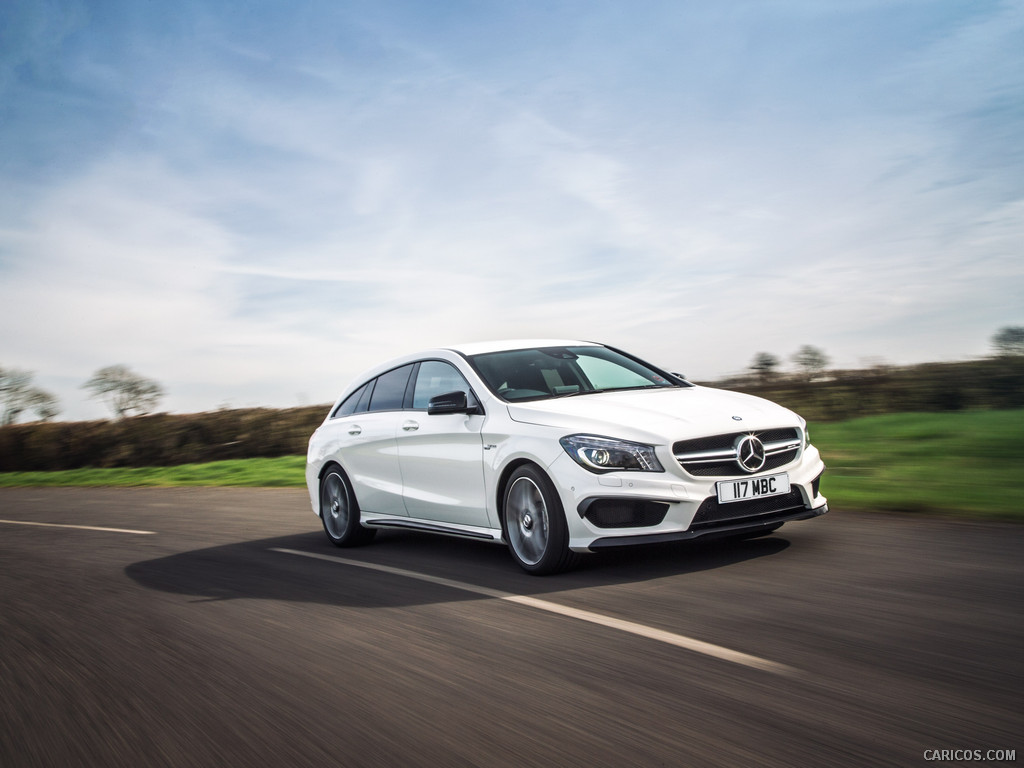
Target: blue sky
[252,202]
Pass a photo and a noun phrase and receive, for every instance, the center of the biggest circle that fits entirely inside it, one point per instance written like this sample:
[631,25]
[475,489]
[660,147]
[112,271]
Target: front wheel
[535,527]
[339,511]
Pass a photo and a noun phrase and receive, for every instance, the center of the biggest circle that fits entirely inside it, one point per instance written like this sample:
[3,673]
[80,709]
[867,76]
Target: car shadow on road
[257,570]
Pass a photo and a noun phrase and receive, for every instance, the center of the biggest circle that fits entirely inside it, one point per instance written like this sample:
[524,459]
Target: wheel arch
[328,465]
[555,556]
[499,491]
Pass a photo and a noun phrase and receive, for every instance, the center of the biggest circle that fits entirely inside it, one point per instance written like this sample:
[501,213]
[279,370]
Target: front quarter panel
[507,444]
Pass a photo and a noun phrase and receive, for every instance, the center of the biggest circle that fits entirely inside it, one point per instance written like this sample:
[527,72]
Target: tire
[534,523]
[339,511]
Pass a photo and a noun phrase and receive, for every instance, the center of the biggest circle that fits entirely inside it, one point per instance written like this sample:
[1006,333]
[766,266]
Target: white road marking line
[80,527]
[681,641]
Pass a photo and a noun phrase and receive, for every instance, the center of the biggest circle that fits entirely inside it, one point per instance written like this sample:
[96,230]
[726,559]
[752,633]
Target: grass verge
[966,464]
[281,472]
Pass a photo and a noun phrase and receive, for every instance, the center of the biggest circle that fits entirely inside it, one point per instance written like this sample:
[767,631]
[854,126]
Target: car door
[441,455]
[369,450]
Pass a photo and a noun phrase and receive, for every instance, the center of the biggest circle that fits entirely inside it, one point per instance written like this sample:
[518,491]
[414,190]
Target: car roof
[483,347]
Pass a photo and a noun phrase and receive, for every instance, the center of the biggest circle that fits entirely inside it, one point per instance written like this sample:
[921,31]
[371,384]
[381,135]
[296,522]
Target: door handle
[410,426]
[355,429]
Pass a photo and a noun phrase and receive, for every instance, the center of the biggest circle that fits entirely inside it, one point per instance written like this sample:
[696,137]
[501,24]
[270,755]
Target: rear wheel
[535,527]
[339,511]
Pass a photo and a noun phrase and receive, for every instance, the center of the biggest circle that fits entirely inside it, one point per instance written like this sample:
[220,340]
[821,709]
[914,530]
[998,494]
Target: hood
[656,415]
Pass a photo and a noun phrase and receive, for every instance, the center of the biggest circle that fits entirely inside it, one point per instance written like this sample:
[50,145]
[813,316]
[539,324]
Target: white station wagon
[555,448]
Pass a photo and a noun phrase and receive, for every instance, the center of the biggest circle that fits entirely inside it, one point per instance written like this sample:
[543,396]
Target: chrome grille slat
[706,457]
[770,448]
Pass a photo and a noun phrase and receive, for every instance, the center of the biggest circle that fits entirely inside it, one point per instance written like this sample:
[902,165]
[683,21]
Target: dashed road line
[641,630]
[79,527]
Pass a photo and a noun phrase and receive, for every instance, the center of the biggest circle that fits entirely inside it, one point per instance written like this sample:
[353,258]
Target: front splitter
[749,525]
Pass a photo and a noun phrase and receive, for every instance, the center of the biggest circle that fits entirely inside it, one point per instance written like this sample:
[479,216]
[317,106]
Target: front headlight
[605,454]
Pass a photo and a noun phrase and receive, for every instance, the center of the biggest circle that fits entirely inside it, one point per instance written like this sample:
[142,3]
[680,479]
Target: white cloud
[270,223]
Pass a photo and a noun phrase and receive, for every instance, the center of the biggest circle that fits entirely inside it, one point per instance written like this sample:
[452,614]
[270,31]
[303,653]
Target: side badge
[737,418]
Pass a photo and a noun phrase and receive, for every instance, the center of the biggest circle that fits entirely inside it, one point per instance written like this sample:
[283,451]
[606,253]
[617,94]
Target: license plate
[752,488]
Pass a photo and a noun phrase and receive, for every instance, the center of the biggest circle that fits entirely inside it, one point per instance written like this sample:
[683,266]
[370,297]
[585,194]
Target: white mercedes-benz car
[555,448]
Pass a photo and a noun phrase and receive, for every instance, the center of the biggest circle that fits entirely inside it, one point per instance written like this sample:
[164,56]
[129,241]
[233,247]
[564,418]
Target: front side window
[537,374]
[436,378]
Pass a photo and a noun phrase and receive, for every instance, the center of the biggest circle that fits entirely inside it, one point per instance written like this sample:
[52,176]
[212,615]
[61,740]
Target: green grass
[282,472]
[968,464]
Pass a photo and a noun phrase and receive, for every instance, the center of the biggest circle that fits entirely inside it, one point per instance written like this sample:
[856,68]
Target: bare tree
[126,392]
[18,395]
[764,365]
[45,405]
[1009,341]
[810,360]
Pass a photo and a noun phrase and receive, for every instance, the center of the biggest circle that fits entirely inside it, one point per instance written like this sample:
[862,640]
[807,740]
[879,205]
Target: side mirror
[449,402]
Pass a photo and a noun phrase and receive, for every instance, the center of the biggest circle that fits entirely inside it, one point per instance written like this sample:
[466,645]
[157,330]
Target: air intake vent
[623,513]
[711,513]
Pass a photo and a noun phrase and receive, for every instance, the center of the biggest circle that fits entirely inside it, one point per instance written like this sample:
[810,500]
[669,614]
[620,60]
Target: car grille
[715,456]
[711,513]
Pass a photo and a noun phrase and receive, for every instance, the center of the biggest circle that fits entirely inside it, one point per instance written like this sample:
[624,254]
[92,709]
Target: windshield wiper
[560,395]
[611,389]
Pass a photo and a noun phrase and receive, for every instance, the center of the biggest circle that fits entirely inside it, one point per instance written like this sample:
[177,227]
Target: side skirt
[481,534]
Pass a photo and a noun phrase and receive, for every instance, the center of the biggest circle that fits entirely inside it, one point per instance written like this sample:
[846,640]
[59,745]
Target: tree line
[159,439]
[166,439]
[125,392]
[810,361]
[818,394]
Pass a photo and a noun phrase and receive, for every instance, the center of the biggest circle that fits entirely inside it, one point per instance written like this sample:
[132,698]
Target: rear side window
[389,393]
[364,399]
[350,404]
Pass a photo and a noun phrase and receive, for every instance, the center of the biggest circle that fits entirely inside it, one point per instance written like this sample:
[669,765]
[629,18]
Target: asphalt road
[216,640]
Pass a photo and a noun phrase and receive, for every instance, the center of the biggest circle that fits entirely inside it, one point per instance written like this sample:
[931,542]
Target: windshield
[537,374]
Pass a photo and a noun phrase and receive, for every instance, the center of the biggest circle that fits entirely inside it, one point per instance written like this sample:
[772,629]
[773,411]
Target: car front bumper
[627,508]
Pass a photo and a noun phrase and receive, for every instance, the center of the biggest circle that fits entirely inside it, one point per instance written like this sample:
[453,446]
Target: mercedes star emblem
[750,453]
